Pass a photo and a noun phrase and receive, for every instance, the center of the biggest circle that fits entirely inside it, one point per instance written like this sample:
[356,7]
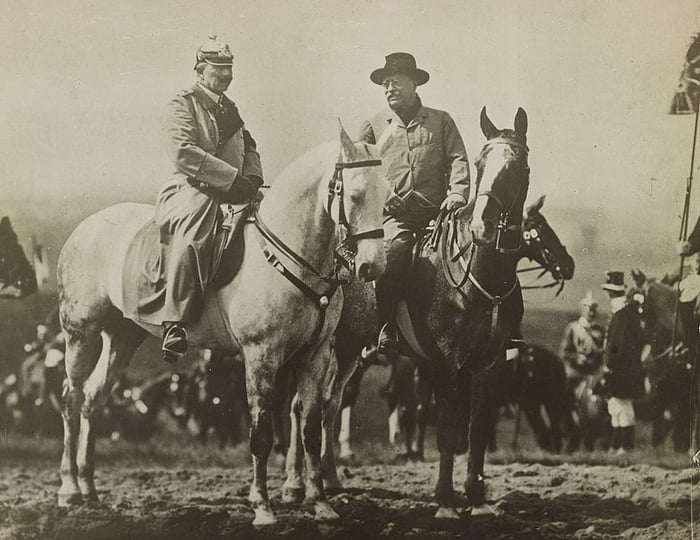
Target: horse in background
[328,194]
[17,278]
[670,372]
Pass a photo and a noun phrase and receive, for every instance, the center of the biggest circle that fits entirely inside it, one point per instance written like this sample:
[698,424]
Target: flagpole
[683,234]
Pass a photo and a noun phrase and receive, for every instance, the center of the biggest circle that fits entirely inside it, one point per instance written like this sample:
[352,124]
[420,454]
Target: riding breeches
[399,239]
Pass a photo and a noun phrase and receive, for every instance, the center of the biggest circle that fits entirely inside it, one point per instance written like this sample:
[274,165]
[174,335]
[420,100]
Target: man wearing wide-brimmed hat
[426,165]
[215,161]
[623,361]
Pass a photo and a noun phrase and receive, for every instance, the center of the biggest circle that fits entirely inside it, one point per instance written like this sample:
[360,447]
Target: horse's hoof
[445,512]
[323,511]
[264,517]
[91,499]
[292,494]
[67,500]
[486,510]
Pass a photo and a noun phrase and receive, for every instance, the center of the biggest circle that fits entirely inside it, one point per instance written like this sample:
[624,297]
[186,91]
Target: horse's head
[503,178]
[543,245]
[361,191]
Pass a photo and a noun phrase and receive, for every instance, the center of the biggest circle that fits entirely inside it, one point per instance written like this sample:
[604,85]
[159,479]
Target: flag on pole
[40,262]
[687,96]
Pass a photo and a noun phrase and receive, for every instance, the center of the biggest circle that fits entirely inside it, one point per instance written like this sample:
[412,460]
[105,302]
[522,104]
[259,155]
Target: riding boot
[174,342]
[628,437]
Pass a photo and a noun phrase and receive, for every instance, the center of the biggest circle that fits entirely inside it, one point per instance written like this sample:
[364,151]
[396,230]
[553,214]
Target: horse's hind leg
[119,342]
[314,377]
[83,344]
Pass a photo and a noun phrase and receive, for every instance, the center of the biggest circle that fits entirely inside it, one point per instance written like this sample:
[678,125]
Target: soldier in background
[582,344]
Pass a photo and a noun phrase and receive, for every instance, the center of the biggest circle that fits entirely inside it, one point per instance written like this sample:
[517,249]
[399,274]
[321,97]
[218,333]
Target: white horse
[261,315]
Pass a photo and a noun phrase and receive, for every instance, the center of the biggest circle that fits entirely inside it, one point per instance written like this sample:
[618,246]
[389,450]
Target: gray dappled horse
[268,319]
[465,301]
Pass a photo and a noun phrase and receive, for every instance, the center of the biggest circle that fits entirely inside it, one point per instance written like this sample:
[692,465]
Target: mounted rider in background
[215,161]
[427,168]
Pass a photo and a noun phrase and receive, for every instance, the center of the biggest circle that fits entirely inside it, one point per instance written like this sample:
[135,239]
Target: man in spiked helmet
[215,160]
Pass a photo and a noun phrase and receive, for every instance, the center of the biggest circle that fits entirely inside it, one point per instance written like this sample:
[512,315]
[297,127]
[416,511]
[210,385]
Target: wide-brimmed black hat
[400,63]
[614,281]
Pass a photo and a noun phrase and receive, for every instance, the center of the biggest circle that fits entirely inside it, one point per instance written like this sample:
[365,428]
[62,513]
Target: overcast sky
[85,85]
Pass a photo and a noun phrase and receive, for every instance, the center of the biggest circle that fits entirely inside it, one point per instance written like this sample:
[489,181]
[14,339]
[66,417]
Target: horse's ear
[346,142]
[638,277]
[521,122]
[487,127]
[535,207]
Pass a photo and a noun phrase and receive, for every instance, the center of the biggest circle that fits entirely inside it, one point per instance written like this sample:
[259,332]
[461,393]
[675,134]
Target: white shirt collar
[617,303]
[213,95]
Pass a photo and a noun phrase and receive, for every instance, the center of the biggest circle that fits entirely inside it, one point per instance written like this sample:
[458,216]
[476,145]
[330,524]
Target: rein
[448,239]
[343,255]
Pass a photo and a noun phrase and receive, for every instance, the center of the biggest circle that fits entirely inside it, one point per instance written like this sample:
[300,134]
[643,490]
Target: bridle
[532,236]
[449,239]
[344,254]
[504,227]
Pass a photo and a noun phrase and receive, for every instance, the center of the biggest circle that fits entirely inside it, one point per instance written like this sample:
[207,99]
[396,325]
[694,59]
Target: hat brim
[613,288]
[418,75]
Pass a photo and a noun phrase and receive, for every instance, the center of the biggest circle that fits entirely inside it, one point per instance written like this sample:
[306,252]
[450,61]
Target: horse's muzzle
[483,232]
[370,261]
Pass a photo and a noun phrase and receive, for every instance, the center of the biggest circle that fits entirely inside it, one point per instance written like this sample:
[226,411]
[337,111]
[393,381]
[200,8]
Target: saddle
[143,282]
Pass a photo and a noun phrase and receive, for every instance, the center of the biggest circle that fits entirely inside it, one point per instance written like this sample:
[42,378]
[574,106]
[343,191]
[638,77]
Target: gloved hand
[243,189]
[453,201]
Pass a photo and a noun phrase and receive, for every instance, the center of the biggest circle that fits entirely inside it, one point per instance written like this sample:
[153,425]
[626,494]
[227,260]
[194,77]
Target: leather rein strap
[269,242]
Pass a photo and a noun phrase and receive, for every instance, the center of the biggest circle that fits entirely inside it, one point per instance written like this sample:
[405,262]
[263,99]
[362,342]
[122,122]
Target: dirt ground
[564,501]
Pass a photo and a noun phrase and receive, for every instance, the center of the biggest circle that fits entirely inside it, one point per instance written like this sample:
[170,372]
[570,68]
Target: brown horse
[266,318]
[17,277]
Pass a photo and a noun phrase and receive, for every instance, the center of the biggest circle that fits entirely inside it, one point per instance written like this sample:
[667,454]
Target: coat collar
[420,117]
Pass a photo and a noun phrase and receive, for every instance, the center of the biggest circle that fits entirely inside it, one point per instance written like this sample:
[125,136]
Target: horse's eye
[534,233]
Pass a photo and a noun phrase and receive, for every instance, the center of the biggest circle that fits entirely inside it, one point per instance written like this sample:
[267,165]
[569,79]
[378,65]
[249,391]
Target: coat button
[202,185]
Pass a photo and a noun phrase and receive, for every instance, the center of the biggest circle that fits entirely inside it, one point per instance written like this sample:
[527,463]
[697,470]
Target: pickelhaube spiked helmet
[214,52]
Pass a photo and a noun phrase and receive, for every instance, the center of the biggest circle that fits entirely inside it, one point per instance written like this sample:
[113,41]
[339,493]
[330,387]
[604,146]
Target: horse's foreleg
[293,488]
[260,379]
[330,416]
[479,421]
[314,377]
[447,431]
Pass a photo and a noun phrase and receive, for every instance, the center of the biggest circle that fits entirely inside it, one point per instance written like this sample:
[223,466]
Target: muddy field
[169,489]
[172,488]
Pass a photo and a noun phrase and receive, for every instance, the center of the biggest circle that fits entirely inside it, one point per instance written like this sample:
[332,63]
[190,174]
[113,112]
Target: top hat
[614,281]
[216,53]
[399,63]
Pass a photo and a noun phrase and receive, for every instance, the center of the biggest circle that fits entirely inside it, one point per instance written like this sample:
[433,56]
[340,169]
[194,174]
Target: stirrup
[174,343]
[387,341]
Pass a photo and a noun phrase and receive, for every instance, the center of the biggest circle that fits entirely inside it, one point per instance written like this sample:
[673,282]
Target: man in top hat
[215,161]
[623,361]
[426,165]
[582,345]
